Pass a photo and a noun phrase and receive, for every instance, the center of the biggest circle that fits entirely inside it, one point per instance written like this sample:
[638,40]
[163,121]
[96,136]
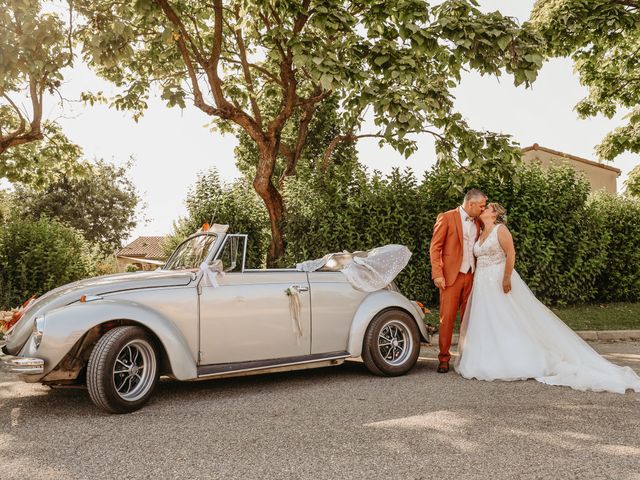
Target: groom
[453,264]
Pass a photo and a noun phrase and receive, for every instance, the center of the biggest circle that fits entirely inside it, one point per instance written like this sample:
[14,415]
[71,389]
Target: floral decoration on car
[10,318]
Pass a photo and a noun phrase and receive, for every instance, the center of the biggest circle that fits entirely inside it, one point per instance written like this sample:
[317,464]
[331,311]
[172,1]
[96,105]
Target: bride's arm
[506,242]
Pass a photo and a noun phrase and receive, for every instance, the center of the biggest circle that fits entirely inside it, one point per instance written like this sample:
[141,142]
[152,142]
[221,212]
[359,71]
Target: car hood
[71,293]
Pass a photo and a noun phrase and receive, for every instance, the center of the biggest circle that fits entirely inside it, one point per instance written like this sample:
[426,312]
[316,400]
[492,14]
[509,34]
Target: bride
[507,334]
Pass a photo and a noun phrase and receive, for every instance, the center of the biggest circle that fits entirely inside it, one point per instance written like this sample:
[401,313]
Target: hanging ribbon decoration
[212,272]
[294,309]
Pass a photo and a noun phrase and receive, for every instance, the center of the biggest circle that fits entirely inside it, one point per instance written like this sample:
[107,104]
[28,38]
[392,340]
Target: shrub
[561,244]
[619,280]
[571,247]
[36,256]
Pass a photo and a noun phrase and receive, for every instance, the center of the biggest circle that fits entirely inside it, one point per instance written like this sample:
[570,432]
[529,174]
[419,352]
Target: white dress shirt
[468,240]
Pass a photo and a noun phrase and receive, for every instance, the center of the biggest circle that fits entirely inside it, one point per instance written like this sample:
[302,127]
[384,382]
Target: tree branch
[186,58]
[260,69]
[70,34]
[21,135]
[247,72]
[23,122]
[293,155]
[267,24]
[287,74]
[343,138]
[353,138]
[227,110]
[36,102]
[223,108]
[175,19]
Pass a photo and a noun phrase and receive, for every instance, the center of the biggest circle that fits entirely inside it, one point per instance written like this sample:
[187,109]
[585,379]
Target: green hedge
[562,239]
[36,256]
[619,280]
[571,247]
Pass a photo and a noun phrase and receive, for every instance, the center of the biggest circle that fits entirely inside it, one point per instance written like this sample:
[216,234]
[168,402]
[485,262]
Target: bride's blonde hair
[501,212]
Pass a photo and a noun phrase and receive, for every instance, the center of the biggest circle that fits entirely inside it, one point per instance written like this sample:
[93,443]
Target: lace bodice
[490,252]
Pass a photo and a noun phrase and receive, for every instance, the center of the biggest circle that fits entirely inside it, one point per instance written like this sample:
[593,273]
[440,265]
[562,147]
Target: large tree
[34,48]
[603,39]
[257,66]
[101,204]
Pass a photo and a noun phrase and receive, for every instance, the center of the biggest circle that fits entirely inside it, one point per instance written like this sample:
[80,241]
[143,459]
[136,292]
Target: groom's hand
[439,282]
[506,285]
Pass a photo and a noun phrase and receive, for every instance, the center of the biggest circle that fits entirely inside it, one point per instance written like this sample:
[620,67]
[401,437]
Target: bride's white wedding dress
[514,336]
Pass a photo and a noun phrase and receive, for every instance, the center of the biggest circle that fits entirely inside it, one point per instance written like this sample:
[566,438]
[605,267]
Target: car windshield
[191,253]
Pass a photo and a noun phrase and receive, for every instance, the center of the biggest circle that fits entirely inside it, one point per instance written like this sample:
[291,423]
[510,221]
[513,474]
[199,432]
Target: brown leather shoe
[443,367]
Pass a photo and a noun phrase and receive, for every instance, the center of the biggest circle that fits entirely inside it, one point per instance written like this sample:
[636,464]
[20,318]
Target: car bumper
[21,365]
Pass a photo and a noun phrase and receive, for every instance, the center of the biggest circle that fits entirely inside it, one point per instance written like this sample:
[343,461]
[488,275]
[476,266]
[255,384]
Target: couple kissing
[506,333]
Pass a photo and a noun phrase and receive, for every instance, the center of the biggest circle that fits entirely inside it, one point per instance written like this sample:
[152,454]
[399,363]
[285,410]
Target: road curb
[588,335]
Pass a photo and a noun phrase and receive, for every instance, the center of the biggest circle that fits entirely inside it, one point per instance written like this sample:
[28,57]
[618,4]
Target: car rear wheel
[123,370]
[391,344]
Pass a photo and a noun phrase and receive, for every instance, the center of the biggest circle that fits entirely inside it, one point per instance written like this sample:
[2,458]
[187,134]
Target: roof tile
[145,247]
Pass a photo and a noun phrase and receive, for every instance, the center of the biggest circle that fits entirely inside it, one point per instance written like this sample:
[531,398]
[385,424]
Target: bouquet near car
[9,318]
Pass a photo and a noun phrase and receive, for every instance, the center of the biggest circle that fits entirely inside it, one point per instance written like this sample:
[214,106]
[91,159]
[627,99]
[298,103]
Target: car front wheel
[123,370]
[391,344]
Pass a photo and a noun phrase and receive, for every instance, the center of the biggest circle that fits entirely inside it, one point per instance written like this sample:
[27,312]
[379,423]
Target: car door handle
[302,289]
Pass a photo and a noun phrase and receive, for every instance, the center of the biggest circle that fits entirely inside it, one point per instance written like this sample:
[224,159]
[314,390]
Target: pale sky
[170,146]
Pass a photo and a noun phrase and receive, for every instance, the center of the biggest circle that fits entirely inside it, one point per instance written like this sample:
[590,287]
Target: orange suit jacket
[446,247]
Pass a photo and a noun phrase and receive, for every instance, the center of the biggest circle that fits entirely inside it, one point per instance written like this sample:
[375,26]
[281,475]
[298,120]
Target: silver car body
[241,326]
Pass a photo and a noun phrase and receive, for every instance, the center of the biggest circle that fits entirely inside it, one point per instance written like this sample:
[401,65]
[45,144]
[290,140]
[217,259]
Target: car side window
[232,254]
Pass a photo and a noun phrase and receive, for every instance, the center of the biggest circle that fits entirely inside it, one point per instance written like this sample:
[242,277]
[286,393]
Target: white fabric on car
[366,271]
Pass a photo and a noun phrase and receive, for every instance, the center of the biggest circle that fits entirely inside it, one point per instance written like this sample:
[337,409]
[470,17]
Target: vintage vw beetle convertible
[119,333]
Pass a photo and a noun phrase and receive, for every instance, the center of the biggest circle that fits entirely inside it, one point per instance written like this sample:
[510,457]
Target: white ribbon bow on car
[212,272]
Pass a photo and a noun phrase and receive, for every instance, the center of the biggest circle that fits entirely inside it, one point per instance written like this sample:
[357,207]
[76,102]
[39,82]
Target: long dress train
[514,336]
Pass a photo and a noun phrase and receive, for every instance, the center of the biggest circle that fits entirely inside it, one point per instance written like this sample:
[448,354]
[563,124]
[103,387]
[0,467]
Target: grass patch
[611,316]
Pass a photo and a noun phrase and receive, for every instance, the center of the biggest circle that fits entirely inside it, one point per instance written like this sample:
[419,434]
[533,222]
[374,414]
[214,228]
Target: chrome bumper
[21,365]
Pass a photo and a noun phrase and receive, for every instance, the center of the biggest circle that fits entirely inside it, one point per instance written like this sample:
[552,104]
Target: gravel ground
[332,423]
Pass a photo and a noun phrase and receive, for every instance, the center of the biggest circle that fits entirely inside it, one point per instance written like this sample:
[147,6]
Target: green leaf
[381,60]
[503,42]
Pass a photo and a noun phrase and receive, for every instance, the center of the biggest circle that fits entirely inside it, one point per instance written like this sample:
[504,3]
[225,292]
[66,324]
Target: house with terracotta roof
[601,176]
[144,253]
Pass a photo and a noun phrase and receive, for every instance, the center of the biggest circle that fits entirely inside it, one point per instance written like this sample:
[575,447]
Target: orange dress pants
[452,298]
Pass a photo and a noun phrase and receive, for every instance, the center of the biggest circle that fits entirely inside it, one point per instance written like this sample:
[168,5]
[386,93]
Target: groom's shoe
[443,367]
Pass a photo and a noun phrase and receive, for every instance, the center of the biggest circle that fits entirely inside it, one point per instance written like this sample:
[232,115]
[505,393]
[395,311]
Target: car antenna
[214,215]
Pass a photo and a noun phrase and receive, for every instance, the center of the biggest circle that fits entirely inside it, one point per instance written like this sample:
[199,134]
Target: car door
[335,303]
[247,317]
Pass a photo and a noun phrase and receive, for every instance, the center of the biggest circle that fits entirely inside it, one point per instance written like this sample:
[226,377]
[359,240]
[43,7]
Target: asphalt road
[332,423]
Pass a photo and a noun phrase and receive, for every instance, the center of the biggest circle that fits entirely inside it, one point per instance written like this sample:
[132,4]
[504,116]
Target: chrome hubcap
[394,342]
[134,370]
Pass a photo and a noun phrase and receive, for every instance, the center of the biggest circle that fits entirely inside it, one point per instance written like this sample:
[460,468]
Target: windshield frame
[205,258]
[227,238]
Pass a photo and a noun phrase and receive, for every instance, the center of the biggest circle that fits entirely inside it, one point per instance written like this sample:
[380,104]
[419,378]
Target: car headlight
[38,330]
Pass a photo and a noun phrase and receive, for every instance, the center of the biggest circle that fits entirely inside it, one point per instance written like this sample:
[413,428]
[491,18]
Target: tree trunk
[273,201]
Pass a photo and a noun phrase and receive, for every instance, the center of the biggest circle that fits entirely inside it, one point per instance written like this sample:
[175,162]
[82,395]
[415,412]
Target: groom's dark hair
[474,194]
